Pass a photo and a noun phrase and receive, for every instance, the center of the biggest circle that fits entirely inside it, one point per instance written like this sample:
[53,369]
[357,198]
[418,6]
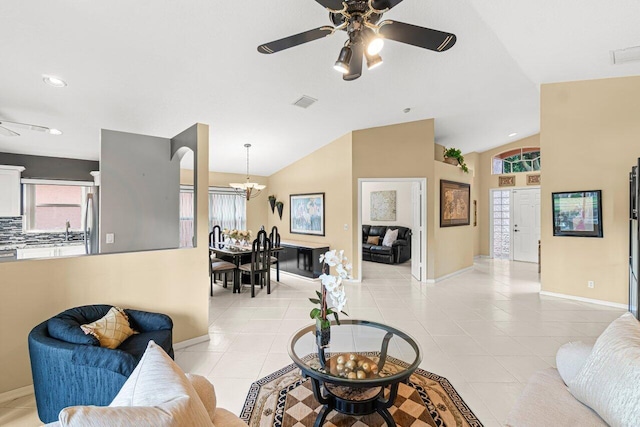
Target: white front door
[417,231]
[526,224]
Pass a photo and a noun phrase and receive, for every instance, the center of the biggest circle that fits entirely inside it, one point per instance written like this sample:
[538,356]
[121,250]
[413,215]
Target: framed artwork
[533,179]
[306,214]
[454,203]
[577,213]
[383,205]
[507,181]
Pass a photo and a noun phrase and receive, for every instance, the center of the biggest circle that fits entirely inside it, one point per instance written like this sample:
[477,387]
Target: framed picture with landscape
[577,213]
[307,214]
[454,203]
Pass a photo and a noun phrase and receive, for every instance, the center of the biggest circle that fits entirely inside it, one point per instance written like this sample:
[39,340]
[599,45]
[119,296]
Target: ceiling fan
[5,131]
[361,20]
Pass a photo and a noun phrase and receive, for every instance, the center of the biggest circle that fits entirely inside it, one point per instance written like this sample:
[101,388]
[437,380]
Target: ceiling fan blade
[7,132]
[332,4]
[417,36]
[355,65]
[385,4]
[295,40]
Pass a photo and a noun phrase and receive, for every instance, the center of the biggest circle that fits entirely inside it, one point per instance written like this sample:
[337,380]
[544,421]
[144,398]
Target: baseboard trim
[482,257]
[450,275]
[582,299]
[10,395]
[188,343]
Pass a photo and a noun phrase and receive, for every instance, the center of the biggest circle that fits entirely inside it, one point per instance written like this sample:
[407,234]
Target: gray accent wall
[41,167]
[139,193]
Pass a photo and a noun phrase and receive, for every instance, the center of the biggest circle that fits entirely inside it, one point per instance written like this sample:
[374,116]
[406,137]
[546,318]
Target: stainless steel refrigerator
[634,240]
[91,232]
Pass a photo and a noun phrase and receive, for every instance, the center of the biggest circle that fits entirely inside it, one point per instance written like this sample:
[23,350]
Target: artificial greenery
[272,197]
[279,204]
[454,153]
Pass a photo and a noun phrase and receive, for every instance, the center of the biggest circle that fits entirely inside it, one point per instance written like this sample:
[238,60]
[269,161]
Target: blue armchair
[70,368]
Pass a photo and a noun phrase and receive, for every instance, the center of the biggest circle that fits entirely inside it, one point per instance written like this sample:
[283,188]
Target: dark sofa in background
[397,253]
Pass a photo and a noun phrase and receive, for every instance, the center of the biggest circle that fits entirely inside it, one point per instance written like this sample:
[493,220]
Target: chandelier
[251,189]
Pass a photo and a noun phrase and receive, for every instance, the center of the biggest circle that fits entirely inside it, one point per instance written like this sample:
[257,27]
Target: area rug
[285,399]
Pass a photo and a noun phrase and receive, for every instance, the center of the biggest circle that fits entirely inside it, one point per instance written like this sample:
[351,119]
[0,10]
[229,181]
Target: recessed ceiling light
[54,81]
[512,134]
[55,132]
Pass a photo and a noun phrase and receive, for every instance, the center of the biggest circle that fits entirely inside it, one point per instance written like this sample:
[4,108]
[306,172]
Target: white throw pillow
[609,381]
[389,237]
[570,358]
[157,394]
[206,392]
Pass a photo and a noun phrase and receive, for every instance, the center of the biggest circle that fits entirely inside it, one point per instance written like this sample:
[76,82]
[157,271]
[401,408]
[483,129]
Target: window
[518,160]
[48,207]
[186,216]
[501,210]
[227,208]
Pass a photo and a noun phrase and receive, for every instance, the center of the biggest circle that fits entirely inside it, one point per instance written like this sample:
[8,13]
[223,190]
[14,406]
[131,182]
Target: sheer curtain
[227,209]
[186,218]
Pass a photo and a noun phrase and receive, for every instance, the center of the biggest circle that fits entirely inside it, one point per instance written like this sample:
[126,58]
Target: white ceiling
[157,67]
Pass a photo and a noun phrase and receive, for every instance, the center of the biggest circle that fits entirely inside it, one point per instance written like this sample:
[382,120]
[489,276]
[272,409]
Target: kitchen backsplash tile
[11,234]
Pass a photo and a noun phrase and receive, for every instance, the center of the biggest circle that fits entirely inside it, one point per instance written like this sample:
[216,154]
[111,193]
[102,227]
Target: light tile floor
[486,330]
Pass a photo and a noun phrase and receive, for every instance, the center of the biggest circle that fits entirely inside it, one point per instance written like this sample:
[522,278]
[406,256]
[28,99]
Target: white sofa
[157,394]
[605,377]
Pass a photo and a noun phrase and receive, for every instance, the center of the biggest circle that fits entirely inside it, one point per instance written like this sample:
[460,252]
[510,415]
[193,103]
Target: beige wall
[257,208]
[397,151]
[326,170]
[489,181]
[174,282]
[590,138]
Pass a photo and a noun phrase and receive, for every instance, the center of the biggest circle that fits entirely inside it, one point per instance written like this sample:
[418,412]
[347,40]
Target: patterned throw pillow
[373,240]
[112,329]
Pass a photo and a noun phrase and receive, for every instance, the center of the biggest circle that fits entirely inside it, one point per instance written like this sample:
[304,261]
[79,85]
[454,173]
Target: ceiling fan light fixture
[55,132]
[375,45]
[373,61]
[342,64]
[54,81]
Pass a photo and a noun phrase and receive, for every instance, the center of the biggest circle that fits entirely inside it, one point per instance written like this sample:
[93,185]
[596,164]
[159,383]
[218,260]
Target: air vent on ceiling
[305,102]
[629,54]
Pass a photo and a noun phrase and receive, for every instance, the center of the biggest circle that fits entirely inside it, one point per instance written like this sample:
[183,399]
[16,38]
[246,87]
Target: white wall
[404,216]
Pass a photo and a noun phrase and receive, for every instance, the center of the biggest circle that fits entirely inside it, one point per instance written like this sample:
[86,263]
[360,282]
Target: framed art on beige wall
[454,203]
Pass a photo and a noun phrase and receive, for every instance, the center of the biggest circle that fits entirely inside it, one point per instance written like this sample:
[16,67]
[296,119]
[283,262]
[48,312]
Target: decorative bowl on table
[352,366]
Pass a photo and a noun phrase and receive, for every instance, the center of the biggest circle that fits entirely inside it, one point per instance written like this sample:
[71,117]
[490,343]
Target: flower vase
[323,333]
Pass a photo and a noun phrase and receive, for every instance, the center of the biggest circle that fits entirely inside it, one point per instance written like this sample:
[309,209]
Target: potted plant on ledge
[454,156]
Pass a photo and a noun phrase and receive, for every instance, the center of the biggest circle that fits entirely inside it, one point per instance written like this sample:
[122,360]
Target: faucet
[66,233]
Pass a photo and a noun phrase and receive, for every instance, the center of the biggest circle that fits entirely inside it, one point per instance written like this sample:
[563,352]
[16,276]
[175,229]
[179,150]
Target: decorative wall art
[307,214]
[577,213]
[475,213]
[454,203]
[507,181]
[383,205]
[533,179]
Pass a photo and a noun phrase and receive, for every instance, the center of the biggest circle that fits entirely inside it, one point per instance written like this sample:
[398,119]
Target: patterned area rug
[285,399]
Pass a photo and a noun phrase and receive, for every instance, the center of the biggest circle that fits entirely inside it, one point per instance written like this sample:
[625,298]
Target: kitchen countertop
[40,245]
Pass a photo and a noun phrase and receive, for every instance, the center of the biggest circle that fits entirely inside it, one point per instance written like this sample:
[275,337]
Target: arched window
[526,159]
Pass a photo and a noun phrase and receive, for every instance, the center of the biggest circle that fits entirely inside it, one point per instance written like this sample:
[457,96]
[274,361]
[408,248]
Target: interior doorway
[412,211]
[515,224]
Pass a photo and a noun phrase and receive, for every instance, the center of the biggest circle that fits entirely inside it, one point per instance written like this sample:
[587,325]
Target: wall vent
[629,54]
[305,102]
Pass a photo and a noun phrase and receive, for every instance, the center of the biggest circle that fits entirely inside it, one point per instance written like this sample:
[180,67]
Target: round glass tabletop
[360,354]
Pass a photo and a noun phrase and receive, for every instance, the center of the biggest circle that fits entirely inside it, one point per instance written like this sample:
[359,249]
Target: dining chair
[275,257]
[220,267]
[260,266]
[215,241]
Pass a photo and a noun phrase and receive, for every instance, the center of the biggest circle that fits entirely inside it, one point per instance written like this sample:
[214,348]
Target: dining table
[235,252]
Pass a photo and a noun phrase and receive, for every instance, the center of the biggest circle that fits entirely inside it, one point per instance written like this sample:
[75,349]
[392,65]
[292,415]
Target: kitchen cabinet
[51,252]
[10,190]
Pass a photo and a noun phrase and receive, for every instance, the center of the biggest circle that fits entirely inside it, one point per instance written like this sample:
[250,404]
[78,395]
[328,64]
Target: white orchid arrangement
[333,298]
[237,234]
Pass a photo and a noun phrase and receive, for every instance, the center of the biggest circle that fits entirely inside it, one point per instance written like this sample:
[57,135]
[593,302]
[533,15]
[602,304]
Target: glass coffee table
[351,375]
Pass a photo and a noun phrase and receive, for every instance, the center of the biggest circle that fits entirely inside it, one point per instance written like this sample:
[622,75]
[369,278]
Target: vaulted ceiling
[156,67]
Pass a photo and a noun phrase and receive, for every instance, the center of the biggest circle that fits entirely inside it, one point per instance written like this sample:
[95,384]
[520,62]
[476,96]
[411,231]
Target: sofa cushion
[68,330]
[570,359]
[157,394]
[608,381]
[377,230]
[112,329]
[206,392]
[381,250]
[373,240]
[545,401]
[136,344]
[390,237]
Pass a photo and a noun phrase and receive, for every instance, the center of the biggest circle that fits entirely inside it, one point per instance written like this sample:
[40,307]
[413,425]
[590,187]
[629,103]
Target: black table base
[352,406]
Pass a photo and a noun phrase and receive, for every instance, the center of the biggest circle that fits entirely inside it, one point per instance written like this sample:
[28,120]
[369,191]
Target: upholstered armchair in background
[70,368]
